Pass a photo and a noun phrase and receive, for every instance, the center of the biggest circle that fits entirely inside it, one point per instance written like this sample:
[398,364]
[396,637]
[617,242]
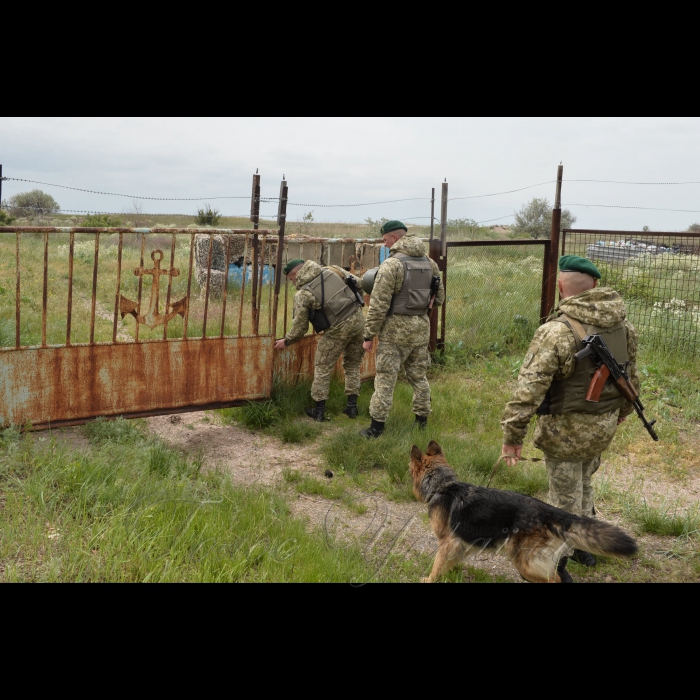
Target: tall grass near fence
[493,298]
[129,509]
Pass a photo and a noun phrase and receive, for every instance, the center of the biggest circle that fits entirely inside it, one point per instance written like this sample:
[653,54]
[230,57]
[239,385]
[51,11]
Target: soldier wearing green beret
[572,432]
[325,300]
[399,314]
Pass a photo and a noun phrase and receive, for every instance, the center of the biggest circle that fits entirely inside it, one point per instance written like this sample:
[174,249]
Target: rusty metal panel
[296,364]
[58,385]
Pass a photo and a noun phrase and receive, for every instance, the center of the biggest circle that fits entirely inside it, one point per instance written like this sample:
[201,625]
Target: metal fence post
[432,213]
[255,218]
[282,223]
[0,184]
[553,258]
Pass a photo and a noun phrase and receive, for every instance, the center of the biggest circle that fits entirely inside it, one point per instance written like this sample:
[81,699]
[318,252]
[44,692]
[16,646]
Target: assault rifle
[350,281]
[434,291]
[608,366]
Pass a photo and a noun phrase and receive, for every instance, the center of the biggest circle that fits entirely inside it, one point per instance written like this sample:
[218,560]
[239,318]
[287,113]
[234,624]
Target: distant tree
[34,203]
[305,224]
[208,216]
[137,218]
[535,219]
[100,221]
[374,227]
[646,229]
[695,228]
[6,219]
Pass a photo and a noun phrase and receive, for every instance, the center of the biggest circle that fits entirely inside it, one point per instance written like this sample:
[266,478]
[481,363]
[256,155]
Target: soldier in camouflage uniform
[399,315]
[572,432]
[343,339]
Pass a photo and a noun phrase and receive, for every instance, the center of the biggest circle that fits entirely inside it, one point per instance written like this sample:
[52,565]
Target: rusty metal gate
[136,322]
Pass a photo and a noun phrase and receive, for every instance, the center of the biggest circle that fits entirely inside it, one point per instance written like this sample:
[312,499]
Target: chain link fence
[657,274]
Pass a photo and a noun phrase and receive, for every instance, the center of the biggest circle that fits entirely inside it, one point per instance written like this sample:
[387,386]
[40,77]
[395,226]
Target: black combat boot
[584,559]
[374,431]
[351,410]
[564,575]
[422,422]
[318,413]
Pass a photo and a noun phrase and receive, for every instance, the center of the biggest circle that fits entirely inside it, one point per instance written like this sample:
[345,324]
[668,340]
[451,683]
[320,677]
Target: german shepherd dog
[536,537]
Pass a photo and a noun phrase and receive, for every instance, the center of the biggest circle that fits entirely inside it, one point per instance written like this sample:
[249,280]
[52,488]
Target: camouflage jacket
[305,302]
[573,436]
[399,330]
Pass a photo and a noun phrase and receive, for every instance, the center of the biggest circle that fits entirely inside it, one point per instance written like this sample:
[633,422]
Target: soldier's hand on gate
[368,346]
[281,345]
[512,454]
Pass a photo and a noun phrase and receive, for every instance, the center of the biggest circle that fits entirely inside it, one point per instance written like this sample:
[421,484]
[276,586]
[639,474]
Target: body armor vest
[337,300]
[569,395]
[414,297]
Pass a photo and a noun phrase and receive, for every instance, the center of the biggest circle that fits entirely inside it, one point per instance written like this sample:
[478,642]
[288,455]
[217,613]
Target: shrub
[6,219]
[32,203]
[208,217]
[100,221]
[535,218]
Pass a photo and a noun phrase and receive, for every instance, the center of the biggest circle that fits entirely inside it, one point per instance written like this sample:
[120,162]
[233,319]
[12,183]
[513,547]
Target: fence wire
[657,274]
[494,296]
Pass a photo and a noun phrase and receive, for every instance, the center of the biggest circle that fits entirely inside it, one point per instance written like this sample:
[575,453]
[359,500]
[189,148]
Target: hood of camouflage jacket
[410,245]
[308,273]
[601,307]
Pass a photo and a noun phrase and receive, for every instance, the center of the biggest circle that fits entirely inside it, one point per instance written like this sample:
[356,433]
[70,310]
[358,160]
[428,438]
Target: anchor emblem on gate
[153,317]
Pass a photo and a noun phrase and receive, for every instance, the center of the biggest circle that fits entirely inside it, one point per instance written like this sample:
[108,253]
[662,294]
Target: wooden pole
[282,223]
[553,262]
[255,218]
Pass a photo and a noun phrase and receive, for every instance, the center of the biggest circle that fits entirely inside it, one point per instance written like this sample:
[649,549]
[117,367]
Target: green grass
[125,510]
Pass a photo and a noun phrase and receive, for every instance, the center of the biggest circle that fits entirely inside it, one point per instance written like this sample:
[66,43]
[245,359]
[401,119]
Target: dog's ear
[434,449]
[416,454]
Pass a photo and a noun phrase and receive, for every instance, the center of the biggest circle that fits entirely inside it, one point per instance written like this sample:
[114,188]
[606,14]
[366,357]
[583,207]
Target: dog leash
[503,458]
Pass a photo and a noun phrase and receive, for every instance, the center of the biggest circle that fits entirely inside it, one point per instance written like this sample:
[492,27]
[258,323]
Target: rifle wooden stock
[598,384]
[600,380]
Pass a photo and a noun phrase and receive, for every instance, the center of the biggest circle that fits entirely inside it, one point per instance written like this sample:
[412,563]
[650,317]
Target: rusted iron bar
[208,287]
[443,222]
[544,311]
[178,231]
[282,223]
[255,202]
[245,274]
[69,322]
[170,288]
[261,279]
[432,217]
[189,289]
[254,276]
[479,244]
[117,305]
[225,293]
[553,263]
[140,297]
[18,292]
[45,296]
[93,310]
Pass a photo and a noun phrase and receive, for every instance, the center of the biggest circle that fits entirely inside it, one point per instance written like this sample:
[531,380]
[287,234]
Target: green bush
[100,221]
[34,203]
[6,219]
[208,217]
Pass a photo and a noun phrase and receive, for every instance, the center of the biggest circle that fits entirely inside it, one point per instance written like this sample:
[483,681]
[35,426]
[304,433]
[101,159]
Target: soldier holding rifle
[579,408]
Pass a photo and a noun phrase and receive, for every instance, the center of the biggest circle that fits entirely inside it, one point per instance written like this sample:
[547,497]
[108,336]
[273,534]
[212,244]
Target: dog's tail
[601,538]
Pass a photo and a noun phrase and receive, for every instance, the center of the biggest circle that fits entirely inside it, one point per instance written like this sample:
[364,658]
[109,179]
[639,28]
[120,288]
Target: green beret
[292,265]
[392,226]
[573,263]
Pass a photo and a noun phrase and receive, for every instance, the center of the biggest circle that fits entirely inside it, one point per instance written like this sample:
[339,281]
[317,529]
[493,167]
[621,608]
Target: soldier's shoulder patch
[529,358]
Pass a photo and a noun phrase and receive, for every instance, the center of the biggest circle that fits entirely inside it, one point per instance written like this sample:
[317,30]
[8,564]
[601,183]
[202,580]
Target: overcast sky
[349,160]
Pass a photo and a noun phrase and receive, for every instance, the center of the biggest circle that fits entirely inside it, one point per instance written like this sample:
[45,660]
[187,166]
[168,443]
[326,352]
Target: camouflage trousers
[416,363]
[328,353]
[571,485]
